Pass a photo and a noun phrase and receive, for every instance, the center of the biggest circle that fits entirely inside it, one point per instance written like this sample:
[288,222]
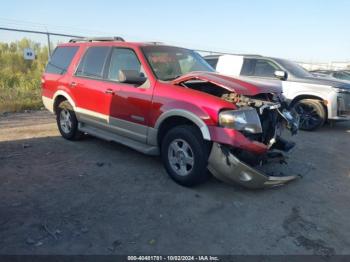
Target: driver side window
[259,67]
[123,59]
[265,68]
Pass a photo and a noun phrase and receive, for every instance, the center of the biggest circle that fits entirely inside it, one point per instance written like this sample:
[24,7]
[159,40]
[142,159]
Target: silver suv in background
[315,99]
[343,75]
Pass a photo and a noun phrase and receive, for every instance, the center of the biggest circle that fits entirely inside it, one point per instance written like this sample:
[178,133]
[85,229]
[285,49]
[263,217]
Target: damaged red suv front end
[248,136]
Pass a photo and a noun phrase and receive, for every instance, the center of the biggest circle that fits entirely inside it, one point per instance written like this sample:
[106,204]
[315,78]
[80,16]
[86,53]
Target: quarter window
[61,59]
[93,62]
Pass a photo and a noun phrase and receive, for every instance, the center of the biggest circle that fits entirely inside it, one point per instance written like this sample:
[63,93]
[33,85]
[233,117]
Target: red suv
[167,100]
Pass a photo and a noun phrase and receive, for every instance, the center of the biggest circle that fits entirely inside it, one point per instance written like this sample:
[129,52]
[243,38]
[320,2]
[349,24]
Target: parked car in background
[339,74]
[167,100]
[315,99]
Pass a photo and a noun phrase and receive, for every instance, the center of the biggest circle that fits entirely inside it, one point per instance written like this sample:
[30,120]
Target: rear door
[90,88]
[259,68]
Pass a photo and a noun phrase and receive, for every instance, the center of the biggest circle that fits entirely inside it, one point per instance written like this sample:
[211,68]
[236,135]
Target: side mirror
[131,77]
[282,75]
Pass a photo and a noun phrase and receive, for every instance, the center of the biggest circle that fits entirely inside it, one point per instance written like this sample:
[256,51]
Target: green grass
[19,78]
[17,100]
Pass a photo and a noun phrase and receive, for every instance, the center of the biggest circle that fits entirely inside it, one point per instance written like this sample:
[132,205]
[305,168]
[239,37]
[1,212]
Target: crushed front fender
[228,168]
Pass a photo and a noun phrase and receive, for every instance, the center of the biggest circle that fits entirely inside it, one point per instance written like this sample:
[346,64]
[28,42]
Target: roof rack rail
[155,43]
[97,39]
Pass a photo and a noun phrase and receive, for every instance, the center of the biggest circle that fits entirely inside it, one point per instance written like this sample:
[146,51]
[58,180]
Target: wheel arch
[177,117]
[315,97]
[305,96]
[312,97]
[60,96]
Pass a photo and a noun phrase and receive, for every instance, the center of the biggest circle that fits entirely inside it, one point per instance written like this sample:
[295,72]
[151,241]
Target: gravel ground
[95,197]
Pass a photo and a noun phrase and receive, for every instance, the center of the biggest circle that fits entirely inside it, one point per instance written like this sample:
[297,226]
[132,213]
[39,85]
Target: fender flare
[186,114]
[66,95]
[307,96]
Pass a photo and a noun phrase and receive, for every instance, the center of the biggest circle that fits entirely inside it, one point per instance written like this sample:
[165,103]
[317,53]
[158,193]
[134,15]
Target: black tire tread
[320,110]
[200,148]
[75,134]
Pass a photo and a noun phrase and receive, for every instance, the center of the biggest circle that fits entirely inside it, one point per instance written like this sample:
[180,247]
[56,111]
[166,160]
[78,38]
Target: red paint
[151,102]
[236,139]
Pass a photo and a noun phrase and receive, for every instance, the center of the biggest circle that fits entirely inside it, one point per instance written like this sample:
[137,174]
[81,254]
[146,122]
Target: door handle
[109,91]
[73,84]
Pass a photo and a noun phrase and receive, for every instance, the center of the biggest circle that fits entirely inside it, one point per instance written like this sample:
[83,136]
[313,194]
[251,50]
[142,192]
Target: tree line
[20,78]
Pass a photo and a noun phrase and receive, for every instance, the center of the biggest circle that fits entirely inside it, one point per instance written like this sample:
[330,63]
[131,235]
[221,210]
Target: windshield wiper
[171,78]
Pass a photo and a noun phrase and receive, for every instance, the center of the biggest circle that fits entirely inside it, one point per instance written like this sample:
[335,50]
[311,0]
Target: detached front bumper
[228,168]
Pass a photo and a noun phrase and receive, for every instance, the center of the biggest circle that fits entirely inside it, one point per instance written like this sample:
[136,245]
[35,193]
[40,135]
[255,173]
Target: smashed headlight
[243,119]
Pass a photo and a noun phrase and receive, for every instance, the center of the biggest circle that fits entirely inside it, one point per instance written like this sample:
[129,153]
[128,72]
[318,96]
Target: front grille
[344,104]
[269,122]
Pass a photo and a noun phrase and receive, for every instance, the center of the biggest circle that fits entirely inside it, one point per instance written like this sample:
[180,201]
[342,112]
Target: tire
[312,114]
[67,122]
[185,155]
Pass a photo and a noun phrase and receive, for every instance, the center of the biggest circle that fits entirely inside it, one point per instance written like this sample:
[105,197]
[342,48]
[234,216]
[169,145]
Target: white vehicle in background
[315,99]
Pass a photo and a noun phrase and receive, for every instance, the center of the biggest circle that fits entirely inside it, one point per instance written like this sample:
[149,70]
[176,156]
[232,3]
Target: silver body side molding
[110,136]
[139,137]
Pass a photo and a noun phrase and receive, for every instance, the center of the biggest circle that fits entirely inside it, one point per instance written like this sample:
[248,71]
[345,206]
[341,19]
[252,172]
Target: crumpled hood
[324,81]
[229,83]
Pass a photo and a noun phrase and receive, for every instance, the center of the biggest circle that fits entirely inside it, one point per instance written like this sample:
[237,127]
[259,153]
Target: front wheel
[185,155]
[312,114]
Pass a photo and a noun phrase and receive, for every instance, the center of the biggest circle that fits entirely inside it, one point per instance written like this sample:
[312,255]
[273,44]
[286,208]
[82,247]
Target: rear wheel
[185,155]
[312,114]
[67,121]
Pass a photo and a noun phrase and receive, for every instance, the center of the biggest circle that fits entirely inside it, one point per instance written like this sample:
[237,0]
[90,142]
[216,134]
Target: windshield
[294,69]
[169,63]
[343,75]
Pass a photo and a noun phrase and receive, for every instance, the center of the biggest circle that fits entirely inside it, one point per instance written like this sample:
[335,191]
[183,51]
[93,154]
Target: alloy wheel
[309,117]
[65,121]
[181,157]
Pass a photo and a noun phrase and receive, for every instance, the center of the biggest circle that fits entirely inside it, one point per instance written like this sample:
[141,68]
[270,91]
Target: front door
[130,105]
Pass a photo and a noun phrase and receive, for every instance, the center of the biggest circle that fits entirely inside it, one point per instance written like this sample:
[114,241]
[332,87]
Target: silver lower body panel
[228,168]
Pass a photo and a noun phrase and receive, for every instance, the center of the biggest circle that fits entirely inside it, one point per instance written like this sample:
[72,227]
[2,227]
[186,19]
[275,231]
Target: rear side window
[93,62]
[61,59]
[265,68]
[259,67]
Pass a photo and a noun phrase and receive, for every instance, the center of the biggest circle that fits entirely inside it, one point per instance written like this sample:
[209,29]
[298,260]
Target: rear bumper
[48,103]
[228,168]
